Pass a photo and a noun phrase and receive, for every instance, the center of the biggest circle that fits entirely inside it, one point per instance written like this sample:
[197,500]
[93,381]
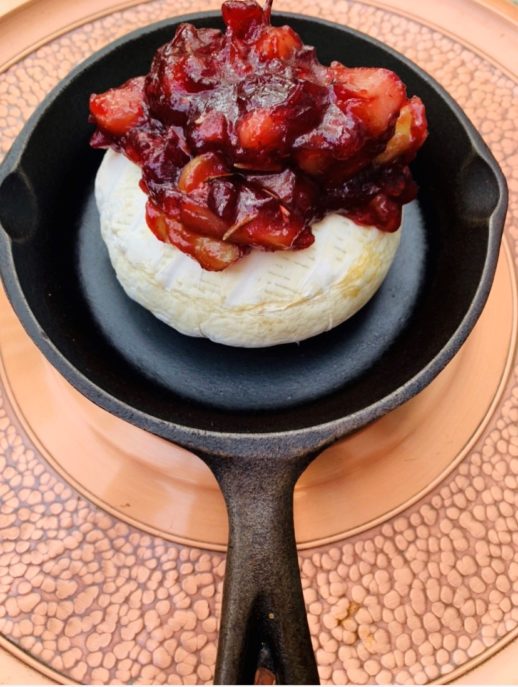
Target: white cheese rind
[265,298]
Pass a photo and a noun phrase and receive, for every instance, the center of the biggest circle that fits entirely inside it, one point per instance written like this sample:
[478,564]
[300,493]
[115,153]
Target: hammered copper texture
[407,601]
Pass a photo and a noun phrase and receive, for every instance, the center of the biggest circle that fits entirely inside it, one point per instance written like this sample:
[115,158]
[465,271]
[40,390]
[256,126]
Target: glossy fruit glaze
[245,139]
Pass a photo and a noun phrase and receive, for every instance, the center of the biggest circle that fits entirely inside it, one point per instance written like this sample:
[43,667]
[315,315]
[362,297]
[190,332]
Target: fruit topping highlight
[244,139]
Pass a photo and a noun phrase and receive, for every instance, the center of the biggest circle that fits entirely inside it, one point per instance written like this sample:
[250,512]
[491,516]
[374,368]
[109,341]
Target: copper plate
[111,541]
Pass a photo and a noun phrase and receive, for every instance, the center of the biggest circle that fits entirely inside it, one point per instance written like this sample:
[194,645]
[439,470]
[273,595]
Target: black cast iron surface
[183,364]
[256,417]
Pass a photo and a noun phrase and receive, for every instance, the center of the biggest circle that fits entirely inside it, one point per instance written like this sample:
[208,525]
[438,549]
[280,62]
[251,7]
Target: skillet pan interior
[59,278]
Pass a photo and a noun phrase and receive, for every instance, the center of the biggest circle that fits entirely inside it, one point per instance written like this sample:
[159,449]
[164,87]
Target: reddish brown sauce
[245,139]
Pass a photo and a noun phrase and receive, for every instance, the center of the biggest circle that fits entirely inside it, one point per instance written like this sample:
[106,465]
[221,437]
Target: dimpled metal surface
[409,600]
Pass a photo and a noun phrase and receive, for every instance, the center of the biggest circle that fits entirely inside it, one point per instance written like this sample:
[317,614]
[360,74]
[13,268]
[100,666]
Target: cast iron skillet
[256,417]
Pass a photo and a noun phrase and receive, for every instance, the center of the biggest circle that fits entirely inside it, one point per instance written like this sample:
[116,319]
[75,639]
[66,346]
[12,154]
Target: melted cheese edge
[265,298]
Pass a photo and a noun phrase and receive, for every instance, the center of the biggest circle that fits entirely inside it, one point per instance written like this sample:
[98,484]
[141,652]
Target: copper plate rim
[372,3]
[313,543]
[29,660]
[463,670]
[65,29]
[509,363]
[478,660]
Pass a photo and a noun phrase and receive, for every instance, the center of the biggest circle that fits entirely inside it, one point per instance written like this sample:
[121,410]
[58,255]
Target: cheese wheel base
[266,298]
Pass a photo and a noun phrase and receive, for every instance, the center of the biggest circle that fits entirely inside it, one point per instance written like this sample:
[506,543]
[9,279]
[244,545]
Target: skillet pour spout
[257,417]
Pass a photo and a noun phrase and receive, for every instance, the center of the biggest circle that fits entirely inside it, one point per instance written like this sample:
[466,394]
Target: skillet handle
[263,610]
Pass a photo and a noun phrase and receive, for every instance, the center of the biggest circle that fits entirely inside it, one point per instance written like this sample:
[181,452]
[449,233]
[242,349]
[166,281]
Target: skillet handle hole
[18,206]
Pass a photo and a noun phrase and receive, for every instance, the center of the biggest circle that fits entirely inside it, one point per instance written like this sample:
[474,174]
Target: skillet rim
[281,442]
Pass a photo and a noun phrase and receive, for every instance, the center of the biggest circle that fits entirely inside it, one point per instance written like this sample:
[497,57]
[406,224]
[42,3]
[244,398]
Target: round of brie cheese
[264,299]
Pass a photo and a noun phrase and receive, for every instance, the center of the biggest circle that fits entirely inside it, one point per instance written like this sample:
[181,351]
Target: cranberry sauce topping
[244,139]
